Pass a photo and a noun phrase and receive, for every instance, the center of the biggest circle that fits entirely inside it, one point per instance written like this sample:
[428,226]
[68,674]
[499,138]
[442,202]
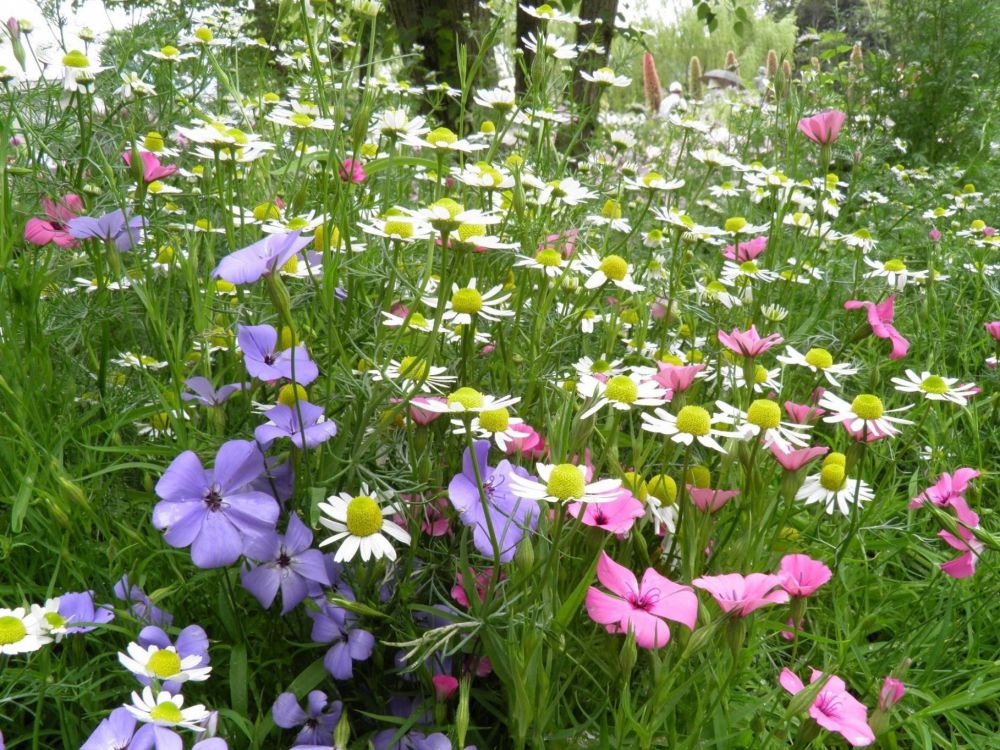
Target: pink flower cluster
[949,492]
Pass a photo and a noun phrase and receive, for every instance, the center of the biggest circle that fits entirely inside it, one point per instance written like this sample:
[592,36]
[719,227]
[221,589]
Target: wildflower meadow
[447,375]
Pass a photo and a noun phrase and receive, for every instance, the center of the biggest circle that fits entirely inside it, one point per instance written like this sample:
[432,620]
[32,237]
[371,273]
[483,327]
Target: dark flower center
[283,560]
[213,499]
[268,359]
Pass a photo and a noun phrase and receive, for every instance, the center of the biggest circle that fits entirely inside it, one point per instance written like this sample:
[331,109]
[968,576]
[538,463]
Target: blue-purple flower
[214,511]
[140,605]
[288,563]
[350,644]
[262,258]
[73,612]
[510,515]
[206,394]
[318,722]
[263,360]
[123,229]
[313,429]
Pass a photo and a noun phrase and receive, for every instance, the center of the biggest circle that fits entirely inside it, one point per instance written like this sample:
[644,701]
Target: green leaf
[238,678]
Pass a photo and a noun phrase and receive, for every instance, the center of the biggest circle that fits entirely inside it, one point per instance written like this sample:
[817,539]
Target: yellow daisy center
[12,630]
[153,141]
[764,413]
[867,406]
[76,59]
[441,137]
[621,388]
[735,223]
[467,301]
[471,230]
[364,517]
[164,663]
[835,458]
[833,477]
[600,365]
[819,358]
[396,228]
[290,393]
[160,421]
[663,488]
[417,321]
[895,265]
[494,420]
[550,258]
[694,420]
[167,712]
[699,476]
[169,51]
[760,374]
[55,620]
[614,267]
[470,398]
[934,384]
[565,482]
[414,368]
[611,210]
[650,177]
[749,267]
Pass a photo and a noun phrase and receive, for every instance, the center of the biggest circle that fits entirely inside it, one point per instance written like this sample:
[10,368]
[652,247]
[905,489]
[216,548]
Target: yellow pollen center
[417,321]
[290,393]
[760,374]
[414,368]
[441,137]
[301,119]
[549,257]
[364,517]
[153,141]
[895,265]
[470,398]
[934,384]
[694,420]
[764,413]
[164,663]
[748,266]
[471,230]
[614,267]
[468,301]
[167,712]
[735,223]
[402,229]
[55,620]
[835,458]
[819,358]
[565,482]
[867,406]
[699,476]
[169,51]
[494,420]
[611,210]
[650,177]
[204,34]
[621,388]
[833,477]
[663,488]
[76,59]
[600,365]
[12,630]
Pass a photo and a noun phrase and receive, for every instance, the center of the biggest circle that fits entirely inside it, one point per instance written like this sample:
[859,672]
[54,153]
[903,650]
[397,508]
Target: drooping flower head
[880,317]
[262,258]
[56,228]
[823,128]
[834,708]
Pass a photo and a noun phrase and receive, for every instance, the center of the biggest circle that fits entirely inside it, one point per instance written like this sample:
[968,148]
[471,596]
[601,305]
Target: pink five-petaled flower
[993,329]
[947,488]
[742,595]
[801,575]
[963,566]
[796,459]
[352,170]
[834,709]
[880,318]
[676,378]
[709,500]
[54,229]
[823,128]
[744,251]
[615,517]
[640,607]
[748,343]
[890,694]
[152,169]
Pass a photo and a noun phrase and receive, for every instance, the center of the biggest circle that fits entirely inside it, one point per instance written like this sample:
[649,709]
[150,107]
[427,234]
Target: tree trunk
[599,32]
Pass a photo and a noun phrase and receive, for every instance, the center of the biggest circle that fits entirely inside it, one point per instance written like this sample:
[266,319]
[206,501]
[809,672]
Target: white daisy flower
[497,425]
[163,664]
[417,322]
[568,192]
[622,392]
[748,270]
[138,361]
[412,373]
[691,423]
[469,400]
[715,291]
[21,631]
[587,367]
[613,268]
[763,418]
[833,488]
[549,261]
[865,413]
[551,44]
[483,175]
[606,77]
[935,387]
[396,123]
[169,53]
[546,12]
[358,523]
[166,710]
[467,302]
[894,272]
[564,483]
[441,140]
[500,99]
[399,227]
[818,360]
[653,181]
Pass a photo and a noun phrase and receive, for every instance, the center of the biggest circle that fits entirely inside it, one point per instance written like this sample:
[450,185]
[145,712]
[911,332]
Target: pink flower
[890,694]
[947,488]
[796,459]
[615,517]
[565,242]
[834,709]
[55,229]
[708,500]
[423,416]
[658,310]
[993,329]
[352,171]
[822,128]
[963,566]
[744,251]
[801,575]
[445,686]
[676,378]
[742,595]
[152,169]
[934,234]
[435,522]
[880,318]
[529,443]
[803,413]
[483,578]
[641,608]
[748,343]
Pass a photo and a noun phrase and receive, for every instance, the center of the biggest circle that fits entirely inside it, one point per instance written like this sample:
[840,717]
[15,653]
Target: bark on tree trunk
[599,33]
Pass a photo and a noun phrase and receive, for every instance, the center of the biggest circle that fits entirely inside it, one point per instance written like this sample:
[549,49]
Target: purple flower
[317,724]
[212,743]
[509,514]
[284,422]
[335,625]
[278,480]
[259,345]
[123,229]
[113,733]
[192,641]
[205,393]
[213,510]
[291,566]
[78,606]
[140,605]
[395,739]
[262,258]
